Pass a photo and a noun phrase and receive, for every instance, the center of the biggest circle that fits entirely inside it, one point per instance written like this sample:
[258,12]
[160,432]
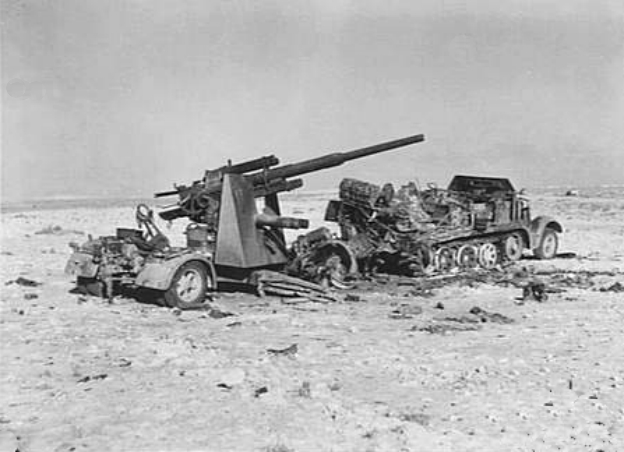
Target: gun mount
[224,201]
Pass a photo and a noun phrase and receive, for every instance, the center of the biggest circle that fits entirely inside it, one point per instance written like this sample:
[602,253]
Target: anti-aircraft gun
[227,239]
[222,207]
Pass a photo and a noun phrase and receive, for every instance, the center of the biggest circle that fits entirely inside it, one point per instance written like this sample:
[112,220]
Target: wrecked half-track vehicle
[477,222]
[228,240]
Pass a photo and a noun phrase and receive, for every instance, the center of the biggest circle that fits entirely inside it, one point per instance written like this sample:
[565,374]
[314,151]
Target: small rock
[405,312]
[352,297]
[263,390]
[534,291]
[304,390]
[92,378]
[25,282]
[288,351]
[217,313]
[30,296]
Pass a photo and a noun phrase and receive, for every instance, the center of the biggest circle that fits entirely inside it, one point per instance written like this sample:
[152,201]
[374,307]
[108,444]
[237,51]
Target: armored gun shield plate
[82,265]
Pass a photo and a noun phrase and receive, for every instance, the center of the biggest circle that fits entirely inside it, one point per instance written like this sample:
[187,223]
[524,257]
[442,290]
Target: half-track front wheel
[189,286]
[549,244]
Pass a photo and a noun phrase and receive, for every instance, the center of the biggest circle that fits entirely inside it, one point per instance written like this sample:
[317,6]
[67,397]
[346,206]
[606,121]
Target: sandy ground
[369,373]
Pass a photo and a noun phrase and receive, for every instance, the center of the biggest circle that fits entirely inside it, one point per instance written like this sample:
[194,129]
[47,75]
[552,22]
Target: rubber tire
[173,300]
[506,251]
[542,253]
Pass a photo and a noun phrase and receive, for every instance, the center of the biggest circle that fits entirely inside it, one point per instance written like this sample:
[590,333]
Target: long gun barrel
[264,177]
[331,160]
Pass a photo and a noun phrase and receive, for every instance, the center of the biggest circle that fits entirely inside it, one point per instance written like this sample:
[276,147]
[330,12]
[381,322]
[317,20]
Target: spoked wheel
[512,247]
[468,257]
[548,246]
[335,272]
[444,260]
[189,286]
[488,255]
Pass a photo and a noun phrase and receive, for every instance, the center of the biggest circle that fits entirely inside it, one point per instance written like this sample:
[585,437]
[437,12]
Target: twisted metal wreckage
[475,222]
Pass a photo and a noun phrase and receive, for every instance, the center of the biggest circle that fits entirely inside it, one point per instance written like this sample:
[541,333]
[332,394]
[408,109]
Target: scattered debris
[263,390]
[217,313]
[295,300]
[462,319]
[616,287]
[350,297]
[30,296]
[405,312]
[487,316]
[57,230]
[418,418]
[534,291]
[305,391]
[445,327]
[25,282]
[124,362]
[81,299]
[93,378]
[274,283]
[288,351]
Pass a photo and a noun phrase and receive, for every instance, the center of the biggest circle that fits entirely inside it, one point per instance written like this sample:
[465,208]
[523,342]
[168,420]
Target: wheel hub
[488,255]
[189,285]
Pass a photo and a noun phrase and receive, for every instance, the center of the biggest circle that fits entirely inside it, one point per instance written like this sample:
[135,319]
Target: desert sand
[392,367]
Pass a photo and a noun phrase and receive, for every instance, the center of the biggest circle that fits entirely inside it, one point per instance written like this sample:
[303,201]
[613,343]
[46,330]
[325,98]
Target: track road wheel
[189,286]
[468,257]
[548,246]
[422,258]
[444,260]
[512,247]
[488,256]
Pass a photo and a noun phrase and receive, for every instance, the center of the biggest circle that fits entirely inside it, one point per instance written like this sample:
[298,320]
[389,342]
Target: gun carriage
[228,239]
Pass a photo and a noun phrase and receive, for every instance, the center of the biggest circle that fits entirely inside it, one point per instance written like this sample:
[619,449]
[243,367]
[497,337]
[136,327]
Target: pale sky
[114,98]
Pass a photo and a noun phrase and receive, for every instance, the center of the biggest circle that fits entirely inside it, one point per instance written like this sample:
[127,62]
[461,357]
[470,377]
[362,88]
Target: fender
[159,274]
[538,225]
